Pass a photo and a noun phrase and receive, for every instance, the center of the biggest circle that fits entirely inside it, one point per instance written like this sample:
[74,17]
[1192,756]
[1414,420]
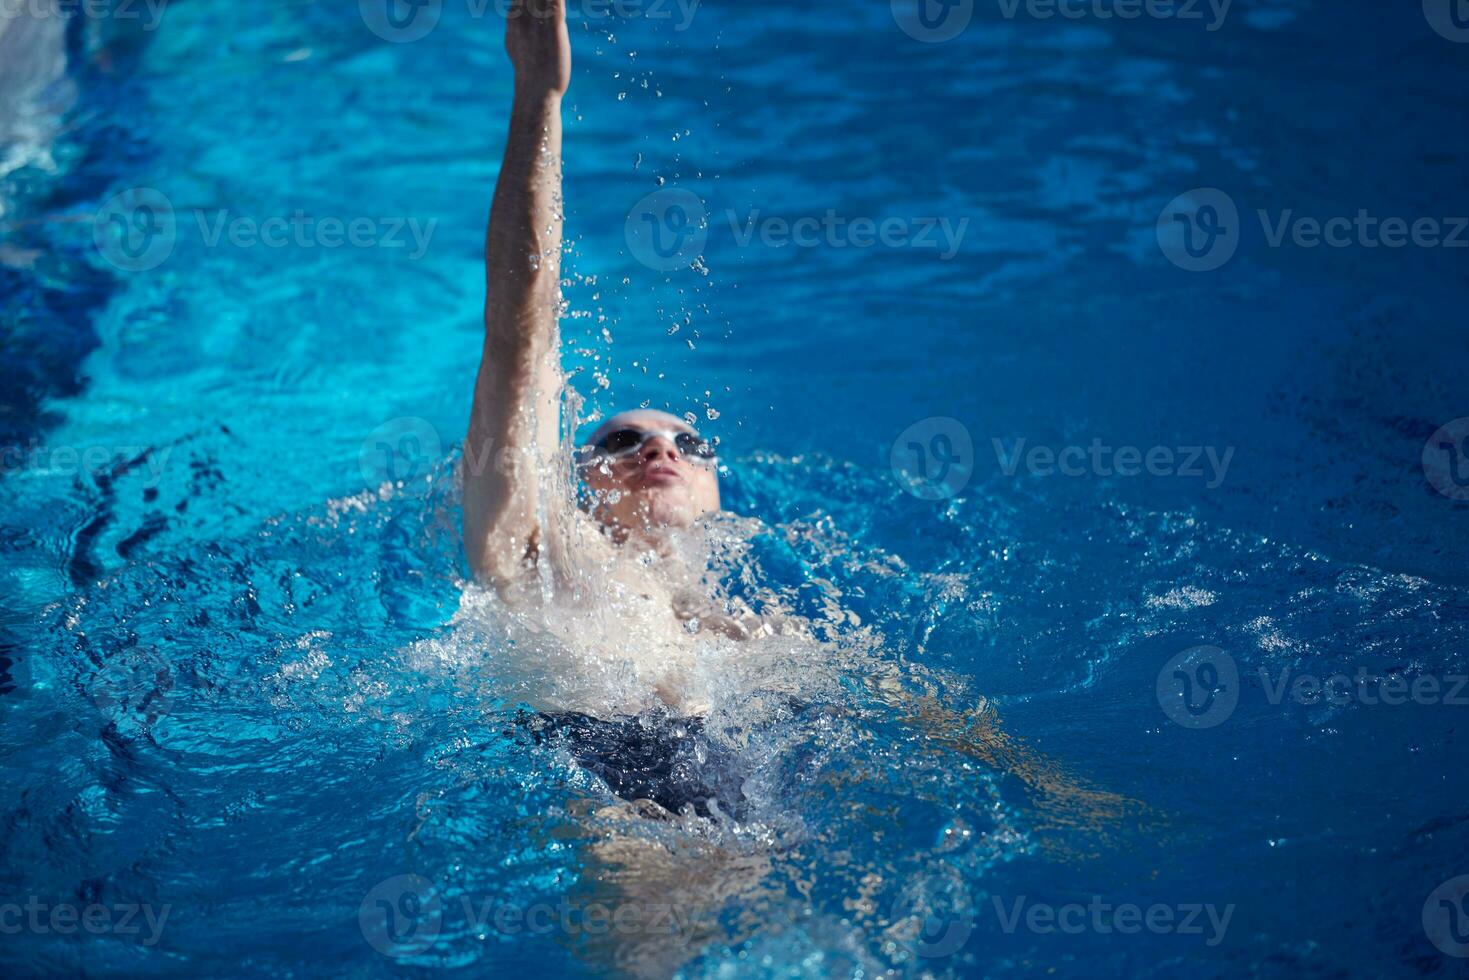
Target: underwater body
[1129,563]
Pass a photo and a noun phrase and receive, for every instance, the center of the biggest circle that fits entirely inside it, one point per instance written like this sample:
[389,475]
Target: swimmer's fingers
[538,44]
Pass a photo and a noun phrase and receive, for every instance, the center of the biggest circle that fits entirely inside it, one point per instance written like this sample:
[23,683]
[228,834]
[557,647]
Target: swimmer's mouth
[662,476]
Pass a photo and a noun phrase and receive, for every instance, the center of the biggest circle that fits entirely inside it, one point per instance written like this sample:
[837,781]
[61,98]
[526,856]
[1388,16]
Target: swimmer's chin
[669,506]
[652,509]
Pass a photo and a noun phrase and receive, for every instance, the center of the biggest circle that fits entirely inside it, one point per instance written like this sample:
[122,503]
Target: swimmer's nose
[660,447]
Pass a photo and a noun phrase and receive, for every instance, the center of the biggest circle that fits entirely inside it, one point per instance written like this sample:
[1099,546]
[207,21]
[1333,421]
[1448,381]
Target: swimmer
[620,595]
[648,472]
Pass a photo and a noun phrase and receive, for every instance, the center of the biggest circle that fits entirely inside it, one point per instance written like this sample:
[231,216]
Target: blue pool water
[235,697]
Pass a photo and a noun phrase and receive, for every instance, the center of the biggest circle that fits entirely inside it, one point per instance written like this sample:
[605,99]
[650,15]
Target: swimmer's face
[650,469]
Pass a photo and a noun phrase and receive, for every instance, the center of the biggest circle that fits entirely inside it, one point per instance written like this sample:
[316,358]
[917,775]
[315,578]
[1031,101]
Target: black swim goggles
[624,442]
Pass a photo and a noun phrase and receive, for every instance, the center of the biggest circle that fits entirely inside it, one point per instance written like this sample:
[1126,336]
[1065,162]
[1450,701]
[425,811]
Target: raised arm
[511,449]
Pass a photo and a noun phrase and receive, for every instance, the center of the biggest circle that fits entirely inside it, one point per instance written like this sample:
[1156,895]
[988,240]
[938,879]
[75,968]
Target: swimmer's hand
[538,45]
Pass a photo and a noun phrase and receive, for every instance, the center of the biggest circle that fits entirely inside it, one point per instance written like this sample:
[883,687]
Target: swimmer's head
[649,469]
